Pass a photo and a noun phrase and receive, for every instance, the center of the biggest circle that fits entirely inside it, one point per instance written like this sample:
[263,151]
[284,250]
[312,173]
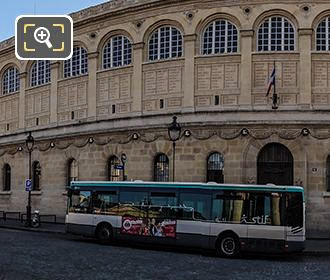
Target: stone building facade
[138,63]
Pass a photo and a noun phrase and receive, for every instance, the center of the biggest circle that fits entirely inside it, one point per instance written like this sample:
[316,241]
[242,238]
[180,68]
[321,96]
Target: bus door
[294,206]
[266,231]
[228,212]
[194,215]
[105,208]
[80,215]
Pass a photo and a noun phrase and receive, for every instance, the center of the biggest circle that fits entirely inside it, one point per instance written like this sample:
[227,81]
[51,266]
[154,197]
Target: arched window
[220,36]
[165,42]
[40,73]
[161,168]
[276,34]
[215,164]
[328,173]
[36,175]
[72,171]
[323,35]
[114,174]
[77,64]
[117,52]
[6,177]
[10,80]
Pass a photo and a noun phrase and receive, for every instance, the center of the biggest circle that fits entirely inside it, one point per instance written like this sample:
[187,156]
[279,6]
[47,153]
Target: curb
[33,230]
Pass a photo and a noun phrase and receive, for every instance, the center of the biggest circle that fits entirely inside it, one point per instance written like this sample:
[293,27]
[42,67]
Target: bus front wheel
[228,246]
[104,233]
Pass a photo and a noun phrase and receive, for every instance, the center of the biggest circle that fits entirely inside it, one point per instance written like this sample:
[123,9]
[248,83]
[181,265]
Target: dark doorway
[275,165]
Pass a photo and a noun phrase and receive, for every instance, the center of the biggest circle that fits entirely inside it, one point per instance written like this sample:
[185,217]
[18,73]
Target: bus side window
[199,203]
[163,205]
[105,203]
[229,206]
[294,210]
[135,198]
[80,202]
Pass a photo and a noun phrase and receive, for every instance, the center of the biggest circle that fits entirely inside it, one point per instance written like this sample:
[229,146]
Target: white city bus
[227,218]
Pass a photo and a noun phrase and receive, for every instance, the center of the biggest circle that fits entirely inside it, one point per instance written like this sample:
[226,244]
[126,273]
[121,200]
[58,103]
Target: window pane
[219,37]
[161,168]
[164,43]
[273,35]
[294,209]
[80,202]
[117,52]
[105,203]
[134,198]
[200,203]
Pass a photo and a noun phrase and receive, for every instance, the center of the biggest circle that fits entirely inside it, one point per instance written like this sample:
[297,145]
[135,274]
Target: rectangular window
[134,198]
[294,210]
[113,109]
[163,205]
[216,100]
[195,206]
[105,203]
[161,103]
[80,202]
[72,115]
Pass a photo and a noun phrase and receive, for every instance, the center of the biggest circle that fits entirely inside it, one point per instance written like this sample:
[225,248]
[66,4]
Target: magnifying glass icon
[42,35]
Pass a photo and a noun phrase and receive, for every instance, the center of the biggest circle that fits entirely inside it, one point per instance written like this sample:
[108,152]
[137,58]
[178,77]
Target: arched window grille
[219,37]
[72,171]
[114,174]
[117,52]
[161,168]
[36,175]
[10,80]
[215,165]
[328,173]
[6,177]
[164,43]
[40,73]
[276,34]
[323,35]
[77,64]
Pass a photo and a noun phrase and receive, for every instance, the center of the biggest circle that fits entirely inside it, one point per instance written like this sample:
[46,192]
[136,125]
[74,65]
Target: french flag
[271,81]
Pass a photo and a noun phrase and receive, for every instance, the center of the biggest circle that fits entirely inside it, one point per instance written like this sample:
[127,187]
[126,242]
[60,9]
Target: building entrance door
[275,165]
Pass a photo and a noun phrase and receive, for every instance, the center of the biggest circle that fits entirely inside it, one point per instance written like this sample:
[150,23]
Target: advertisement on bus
[148,227]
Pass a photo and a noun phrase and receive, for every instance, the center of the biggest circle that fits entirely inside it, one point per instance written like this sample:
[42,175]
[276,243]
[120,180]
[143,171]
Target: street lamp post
[29,145]
[174,133]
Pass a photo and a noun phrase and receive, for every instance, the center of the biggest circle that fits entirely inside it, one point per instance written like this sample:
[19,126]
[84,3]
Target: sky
[10,9]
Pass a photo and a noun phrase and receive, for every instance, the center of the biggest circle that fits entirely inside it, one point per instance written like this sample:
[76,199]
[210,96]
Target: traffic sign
[28,185]
[119,167]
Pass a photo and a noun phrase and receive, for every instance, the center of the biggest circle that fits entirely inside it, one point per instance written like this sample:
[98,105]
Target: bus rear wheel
[104,233]
[228,246]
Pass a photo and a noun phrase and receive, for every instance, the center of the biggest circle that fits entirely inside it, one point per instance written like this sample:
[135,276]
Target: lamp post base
[28,216]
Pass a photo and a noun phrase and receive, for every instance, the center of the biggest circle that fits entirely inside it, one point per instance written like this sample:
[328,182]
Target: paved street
[31,255]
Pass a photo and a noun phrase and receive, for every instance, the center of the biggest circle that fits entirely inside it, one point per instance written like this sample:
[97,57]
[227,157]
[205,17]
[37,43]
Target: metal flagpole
[275,106]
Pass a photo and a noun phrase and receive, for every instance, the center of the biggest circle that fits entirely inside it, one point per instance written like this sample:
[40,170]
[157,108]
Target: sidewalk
[45,227]
[313,246]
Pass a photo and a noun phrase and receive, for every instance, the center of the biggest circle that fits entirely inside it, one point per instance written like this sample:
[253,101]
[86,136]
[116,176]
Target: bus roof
[185,185]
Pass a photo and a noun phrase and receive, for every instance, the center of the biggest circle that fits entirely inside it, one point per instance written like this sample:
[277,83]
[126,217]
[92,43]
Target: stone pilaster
[137,78]
[305,73]
[54,76]
[246,66]
[189,73]
[21,104]
[91,94]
